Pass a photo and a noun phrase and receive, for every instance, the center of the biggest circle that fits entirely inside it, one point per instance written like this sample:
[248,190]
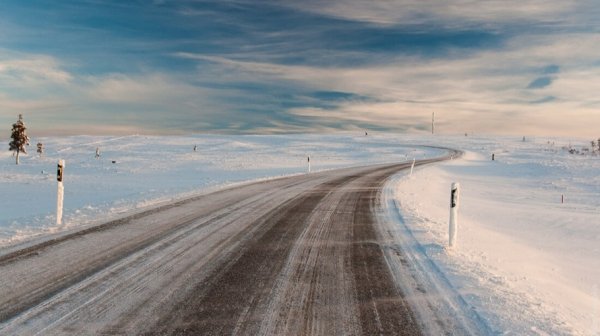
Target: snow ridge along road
[296,255]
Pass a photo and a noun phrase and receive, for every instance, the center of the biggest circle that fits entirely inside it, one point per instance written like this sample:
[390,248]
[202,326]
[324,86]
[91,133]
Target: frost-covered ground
[151,169]
[526,263]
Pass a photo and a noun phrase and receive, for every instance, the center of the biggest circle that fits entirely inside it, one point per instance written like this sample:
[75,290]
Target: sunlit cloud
[474,92]
[261,66]
[155,88]
[29,70]
[451,14]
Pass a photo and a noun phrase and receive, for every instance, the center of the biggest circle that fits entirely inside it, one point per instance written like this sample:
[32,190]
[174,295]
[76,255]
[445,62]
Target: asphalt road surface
[290,256]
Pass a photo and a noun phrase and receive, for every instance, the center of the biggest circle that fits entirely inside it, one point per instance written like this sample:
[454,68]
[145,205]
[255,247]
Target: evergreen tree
[19,137]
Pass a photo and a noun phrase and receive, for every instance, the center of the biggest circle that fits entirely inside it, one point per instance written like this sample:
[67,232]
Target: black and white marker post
[454,202]
[309,163]
[61,191]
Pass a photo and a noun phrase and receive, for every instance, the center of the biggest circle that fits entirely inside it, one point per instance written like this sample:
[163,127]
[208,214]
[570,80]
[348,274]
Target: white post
[309,163]
[454,202]
[61,191]
[412,166]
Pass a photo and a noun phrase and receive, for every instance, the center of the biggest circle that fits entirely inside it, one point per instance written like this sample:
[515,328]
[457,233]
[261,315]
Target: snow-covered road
[296,255]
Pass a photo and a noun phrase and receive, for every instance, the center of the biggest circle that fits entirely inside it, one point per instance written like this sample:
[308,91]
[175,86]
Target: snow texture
[525,263]
[150,170]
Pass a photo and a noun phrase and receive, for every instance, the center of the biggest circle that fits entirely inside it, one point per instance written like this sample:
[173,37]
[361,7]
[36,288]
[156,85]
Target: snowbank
[527,263]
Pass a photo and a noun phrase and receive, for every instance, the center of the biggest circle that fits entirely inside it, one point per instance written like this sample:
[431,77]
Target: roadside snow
[527,264]
[149,170]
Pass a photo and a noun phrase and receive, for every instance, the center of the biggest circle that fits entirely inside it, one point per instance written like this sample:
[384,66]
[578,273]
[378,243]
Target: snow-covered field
[150,170]
[525,263]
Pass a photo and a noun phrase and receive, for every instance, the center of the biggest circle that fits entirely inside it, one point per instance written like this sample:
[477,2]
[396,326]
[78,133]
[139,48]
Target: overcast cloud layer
[256,66]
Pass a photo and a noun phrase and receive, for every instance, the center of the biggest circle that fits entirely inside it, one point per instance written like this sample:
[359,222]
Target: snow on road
[296,255]
[152,169]
[525,263]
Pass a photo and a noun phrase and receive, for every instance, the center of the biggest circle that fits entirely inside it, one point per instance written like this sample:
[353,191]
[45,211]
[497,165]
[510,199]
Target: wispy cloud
[451,14]
[473,92]
[263,66]
[32,70]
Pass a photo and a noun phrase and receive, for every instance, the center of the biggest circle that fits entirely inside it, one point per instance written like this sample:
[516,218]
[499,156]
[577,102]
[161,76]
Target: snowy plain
[525,262]
[150,170]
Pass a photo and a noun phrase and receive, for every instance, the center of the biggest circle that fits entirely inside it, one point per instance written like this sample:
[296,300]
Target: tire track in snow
[219,264]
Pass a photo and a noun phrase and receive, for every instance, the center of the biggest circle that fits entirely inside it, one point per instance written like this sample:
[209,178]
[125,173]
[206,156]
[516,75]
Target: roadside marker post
[61,191]
[412,166]
[309,163]
[454,203]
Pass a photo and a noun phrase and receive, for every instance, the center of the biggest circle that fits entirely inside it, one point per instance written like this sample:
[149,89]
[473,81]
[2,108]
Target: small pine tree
[19,138]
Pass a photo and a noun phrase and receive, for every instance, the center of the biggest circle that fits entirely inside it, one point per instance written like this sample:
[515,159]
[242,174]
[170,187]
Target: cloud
[258,65]
[451,14]
[15,106]
[138,89]
[30,70]
[546,99]
[477,91]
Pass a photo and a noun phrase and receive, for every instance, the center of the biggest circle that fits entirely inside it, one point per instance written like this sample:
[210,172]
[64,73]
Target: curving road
[291,256]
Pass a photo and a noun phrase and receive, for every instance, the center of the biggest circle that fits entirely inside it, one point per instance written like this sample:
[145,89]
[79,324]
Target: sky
[508,67]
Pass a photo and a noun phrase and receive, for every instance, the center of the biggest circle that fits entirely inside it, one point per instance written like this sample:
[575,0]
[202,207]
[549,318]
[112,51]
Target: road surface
[290,256]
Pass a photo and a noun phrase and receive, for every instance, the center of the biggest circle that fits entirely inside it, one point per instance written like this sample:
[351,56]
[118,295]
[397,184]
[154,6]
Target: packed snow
[524,262]
[149,170]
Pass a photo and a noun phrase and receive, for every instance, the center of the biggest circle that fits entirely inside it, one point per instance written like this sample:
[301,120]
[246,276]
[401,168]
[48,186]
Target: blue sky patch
[540,82]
